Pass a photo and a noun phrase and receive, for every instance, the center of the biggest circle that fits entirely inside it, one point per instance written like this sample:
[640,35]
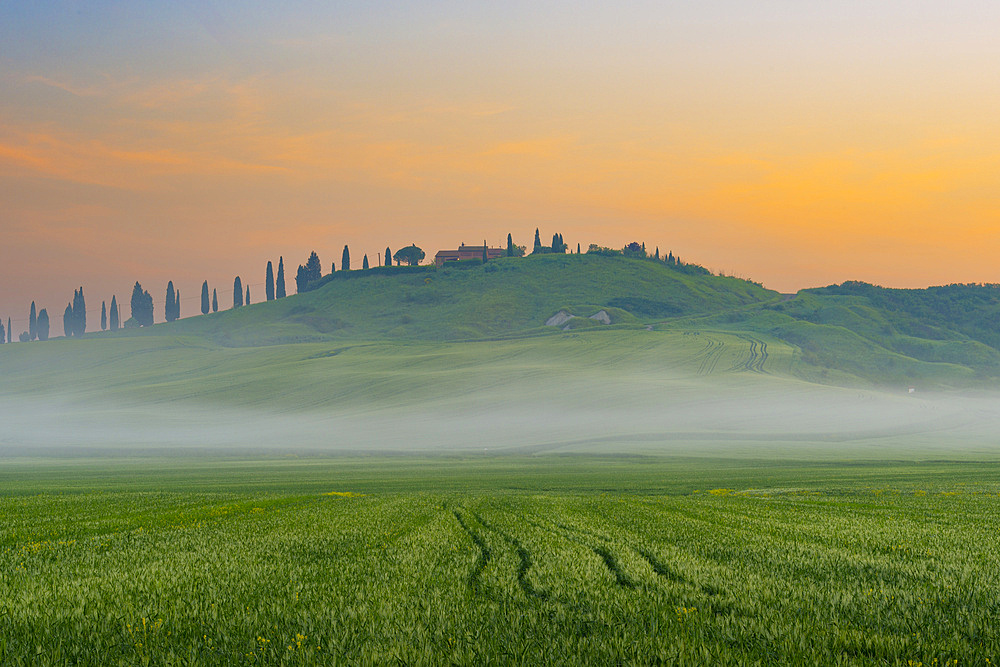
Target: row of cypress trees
[75,315]
[38,325]
[558,245]
[74,320]
[312,270]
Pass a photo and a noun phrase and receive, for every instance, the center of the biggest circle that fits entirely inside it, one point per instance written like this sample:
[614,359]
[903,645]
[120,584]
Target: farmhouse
[466,252]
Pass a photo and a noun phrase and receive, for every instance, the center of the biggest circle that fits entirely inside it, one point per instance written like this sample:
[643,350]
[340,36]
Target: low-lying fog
[787,419]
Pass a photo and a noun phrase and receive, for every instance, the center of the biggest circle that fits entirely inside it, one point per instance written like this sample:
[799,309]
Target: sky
[796,144]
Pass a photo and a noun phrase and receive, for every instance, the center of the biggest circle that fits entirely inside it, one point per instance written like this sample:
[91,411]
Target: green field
[415,469]
[507,560]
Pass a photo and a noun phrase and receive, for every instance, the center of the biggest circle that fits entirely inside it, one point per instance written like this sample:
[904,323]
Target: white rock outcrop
[559,319]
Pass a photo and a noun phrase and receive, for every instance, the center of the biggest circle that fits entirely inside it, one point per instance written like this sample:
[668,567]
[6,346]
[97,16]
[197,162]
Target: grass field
[517,560]
[391,470]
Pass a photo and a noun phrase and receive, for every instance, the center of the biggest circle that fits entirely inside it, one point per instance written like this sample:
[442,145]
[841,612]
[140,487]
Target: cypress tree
[279,284]
[32,321]
[364,262]
[538,241]
[301,279]
[168,306]
[510,245]
[269,282]
[177,306]
[237,292]
[204,298]
[135,303]
[68,320]
[215,301]
[388,257]
[142,306]
[43,324]
[10,332]
[79,313]
[104,316]
[115,315]
[577,248]
[314,269]
[656,255]
[345,260]
[248,296]
[486,256]
[333,267]
[3,333]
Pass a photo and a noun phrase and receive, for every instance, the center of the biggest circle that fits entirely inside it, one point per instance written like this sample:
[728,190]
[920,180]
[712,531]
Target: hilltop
[468,301]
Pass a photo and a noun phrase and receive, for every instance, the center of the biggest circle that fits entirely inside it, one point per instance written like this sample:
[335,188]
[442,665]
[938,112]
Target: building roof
[467,252]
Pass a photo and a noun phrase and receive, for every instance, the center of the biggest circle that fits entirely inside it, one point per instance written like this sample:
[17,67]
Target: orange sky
[797,146]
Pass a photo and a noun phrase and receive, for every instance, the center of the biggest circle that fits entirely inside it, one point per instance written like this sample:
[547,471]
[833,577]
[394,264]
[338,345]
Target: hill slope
[848,334]
[460,359]
[504,297]
[603,390]
[933,338]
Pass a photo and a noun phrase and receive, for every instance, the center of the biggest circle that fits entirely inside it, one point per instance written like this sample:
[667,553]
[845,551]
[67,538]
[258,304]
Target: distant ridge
[852,333]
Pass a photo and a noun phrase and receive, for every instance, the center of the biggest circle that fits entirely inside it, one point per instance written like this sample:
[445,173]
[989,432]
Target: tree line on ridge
[307,277]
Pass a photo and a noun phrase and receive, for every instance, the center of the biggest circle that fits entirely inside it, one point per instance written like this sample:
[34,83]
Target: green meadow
[415,469]
[509,560]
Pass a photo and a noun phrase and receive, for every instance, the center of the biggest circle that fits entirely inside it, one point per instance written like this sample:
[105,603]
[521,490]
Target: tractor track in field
[524,561]
[611,562]
[484,552]
[659,568]
[584,538]
[601,551]
[710,356]
[755,360]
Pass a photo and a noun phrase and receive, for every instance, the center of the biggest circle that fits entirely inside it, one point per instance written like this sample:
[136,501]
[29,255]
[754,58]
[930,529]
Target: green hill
[937,337]
[460,358]
[472,301]
[387,328]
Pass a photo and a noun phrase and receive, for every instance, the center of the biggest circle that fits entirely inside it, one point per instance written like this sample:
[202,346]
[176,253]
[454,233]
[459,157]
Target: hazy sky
[796,143]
